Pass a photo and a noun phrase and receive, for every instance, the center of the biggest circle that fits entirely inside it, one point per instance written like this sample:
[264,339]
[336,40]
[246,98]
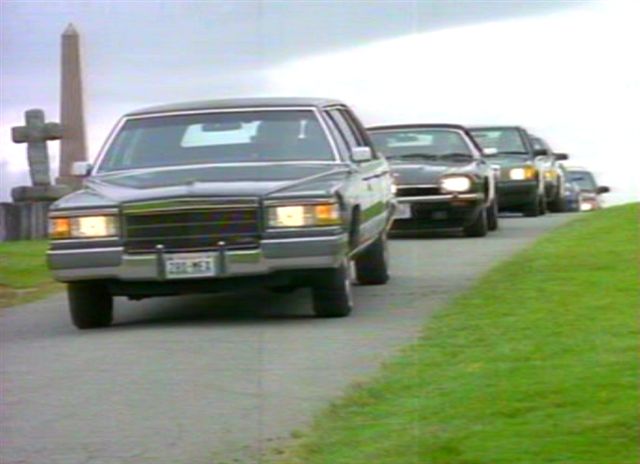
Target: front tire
[479,227]
[543,205]
[558,205]
[331,292]
[90,305]
[535,208]
[492,215]
[372,265]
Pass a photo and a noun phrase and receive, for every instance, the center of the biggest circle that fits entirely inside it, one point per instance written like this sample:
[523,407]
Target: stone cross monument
[26,217]
[73,145]
[35,133]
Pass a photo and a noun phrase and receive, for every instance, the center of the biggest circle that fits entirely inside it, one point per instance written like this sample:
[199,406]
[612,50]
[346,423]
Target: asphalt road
[216,379]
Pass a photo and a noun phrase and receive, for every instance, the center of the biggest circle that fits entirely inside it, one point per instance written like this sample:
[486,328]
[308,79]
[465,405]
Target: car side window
[363,138]
[341,141]
[344,128]
[354,127]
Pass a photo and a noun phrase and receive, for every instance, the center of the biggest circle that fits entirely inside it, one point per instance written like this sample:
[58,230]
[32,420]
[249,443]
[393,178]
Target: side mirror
[603,189]
[81,168]
[561,156]
[361,154]
[541,152]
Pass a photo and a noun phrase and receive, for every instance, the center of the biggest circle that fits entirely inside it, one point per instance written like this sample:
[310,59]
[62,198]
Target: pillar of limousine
[73,144]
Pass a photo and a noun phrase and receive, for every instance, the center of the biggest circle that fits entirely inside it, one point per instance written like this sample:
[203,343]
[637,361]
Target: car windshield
[506,141]
[428,144]
[537,143]
[584,179]
[218,137]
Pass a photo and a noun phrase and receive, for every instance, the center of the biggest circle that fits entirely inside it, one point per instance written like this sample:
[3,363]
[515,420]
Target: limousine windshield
[218,137]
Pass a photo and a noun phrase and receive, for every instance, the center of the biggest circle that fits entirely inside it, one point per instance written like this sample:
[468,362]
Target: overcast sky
[569,70]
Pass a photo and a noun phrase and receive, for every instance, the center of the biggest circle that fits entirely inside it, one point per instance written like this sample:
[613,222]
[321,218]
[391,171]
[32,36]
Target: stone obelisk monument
[26,217]
[73,145]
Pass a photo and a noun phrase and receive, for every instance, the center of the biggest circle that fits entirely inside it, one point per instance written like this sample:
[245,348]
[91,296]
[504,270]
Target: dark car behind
[521,186]
[441,178]
[589,189]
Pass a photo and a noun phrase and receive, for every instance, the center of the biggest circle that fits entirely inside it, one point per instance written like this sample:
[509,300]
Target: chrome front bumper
[272,255]
[441,198]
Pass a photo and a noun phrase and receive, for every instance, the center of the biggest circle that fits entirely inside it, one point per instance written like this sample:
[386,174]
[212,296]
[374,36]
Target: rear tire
[90,305]
[331,292]
[543,205]
[492,215]
[479,227]
[372,265]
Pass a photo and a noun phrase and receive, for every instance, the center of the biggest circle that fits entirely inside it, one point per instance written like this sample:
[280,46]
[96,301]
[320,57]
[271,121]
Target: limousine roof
[232,103]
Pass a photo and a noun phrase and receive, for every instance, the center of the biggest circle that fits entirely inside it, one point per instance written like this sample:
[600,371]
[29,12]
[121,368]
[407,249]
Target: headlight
[586,206]
[83,227]
[526,173]
[455,184]
[325,214]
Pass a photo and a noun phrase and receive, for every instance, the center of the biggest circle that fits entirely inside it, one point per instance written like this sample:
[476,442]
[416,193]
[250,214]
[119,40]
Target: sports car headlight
[324,214]
[83,227]
[455,184]
[525,173]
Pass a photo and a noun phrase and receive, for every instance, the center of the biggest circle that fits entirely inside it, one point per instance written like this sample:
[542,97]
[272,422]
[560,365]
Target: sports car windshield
[222,137]
[506,141]
[584,179]
[427,144]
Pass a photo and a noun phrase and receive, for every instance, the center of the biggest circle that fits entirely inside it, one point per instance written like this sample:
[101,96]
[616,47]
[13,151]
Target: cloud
[568,76]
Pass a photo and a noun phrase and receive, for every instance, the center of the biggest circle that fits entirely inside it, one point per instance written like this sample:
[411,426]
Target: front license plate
[183,266]
[403,211]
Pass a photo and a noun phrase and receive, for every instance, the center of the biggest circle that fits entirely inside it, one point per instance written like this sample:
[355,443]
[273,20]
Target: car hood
[273,181]
[406,173]
[590,194]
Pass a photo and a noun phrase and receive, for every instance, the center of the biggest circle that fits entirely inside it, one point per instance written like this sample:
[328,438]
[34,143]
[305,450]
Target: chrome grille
[191,225]
[417,191]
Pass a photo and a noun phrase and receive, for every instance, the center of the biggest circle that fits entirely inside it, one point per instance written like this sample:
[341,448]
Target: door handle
[375,176]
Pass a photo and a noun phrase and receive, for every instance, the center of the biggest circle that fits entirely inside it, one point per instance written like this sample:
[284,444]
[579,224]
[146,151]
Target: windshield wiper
[457,155]
[512,153]
[427,156]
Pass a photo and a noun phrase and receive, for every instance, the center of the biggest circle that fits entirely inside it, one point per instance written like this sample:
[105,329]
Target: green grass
[537,364]
[23,273]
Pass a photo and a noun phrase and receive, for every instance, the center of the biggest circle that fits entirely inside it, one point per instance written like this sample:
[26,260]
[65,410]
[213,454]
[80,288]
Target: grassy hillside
[23,272]
[537,364]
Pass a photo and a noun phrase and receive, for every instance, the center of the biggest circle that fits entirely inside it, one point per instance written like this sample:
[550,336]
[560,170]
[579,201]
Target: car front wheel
[479,227]
[492,215]
[332,293]
[372,265]
[535,209]
[90,304]
[558,205]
